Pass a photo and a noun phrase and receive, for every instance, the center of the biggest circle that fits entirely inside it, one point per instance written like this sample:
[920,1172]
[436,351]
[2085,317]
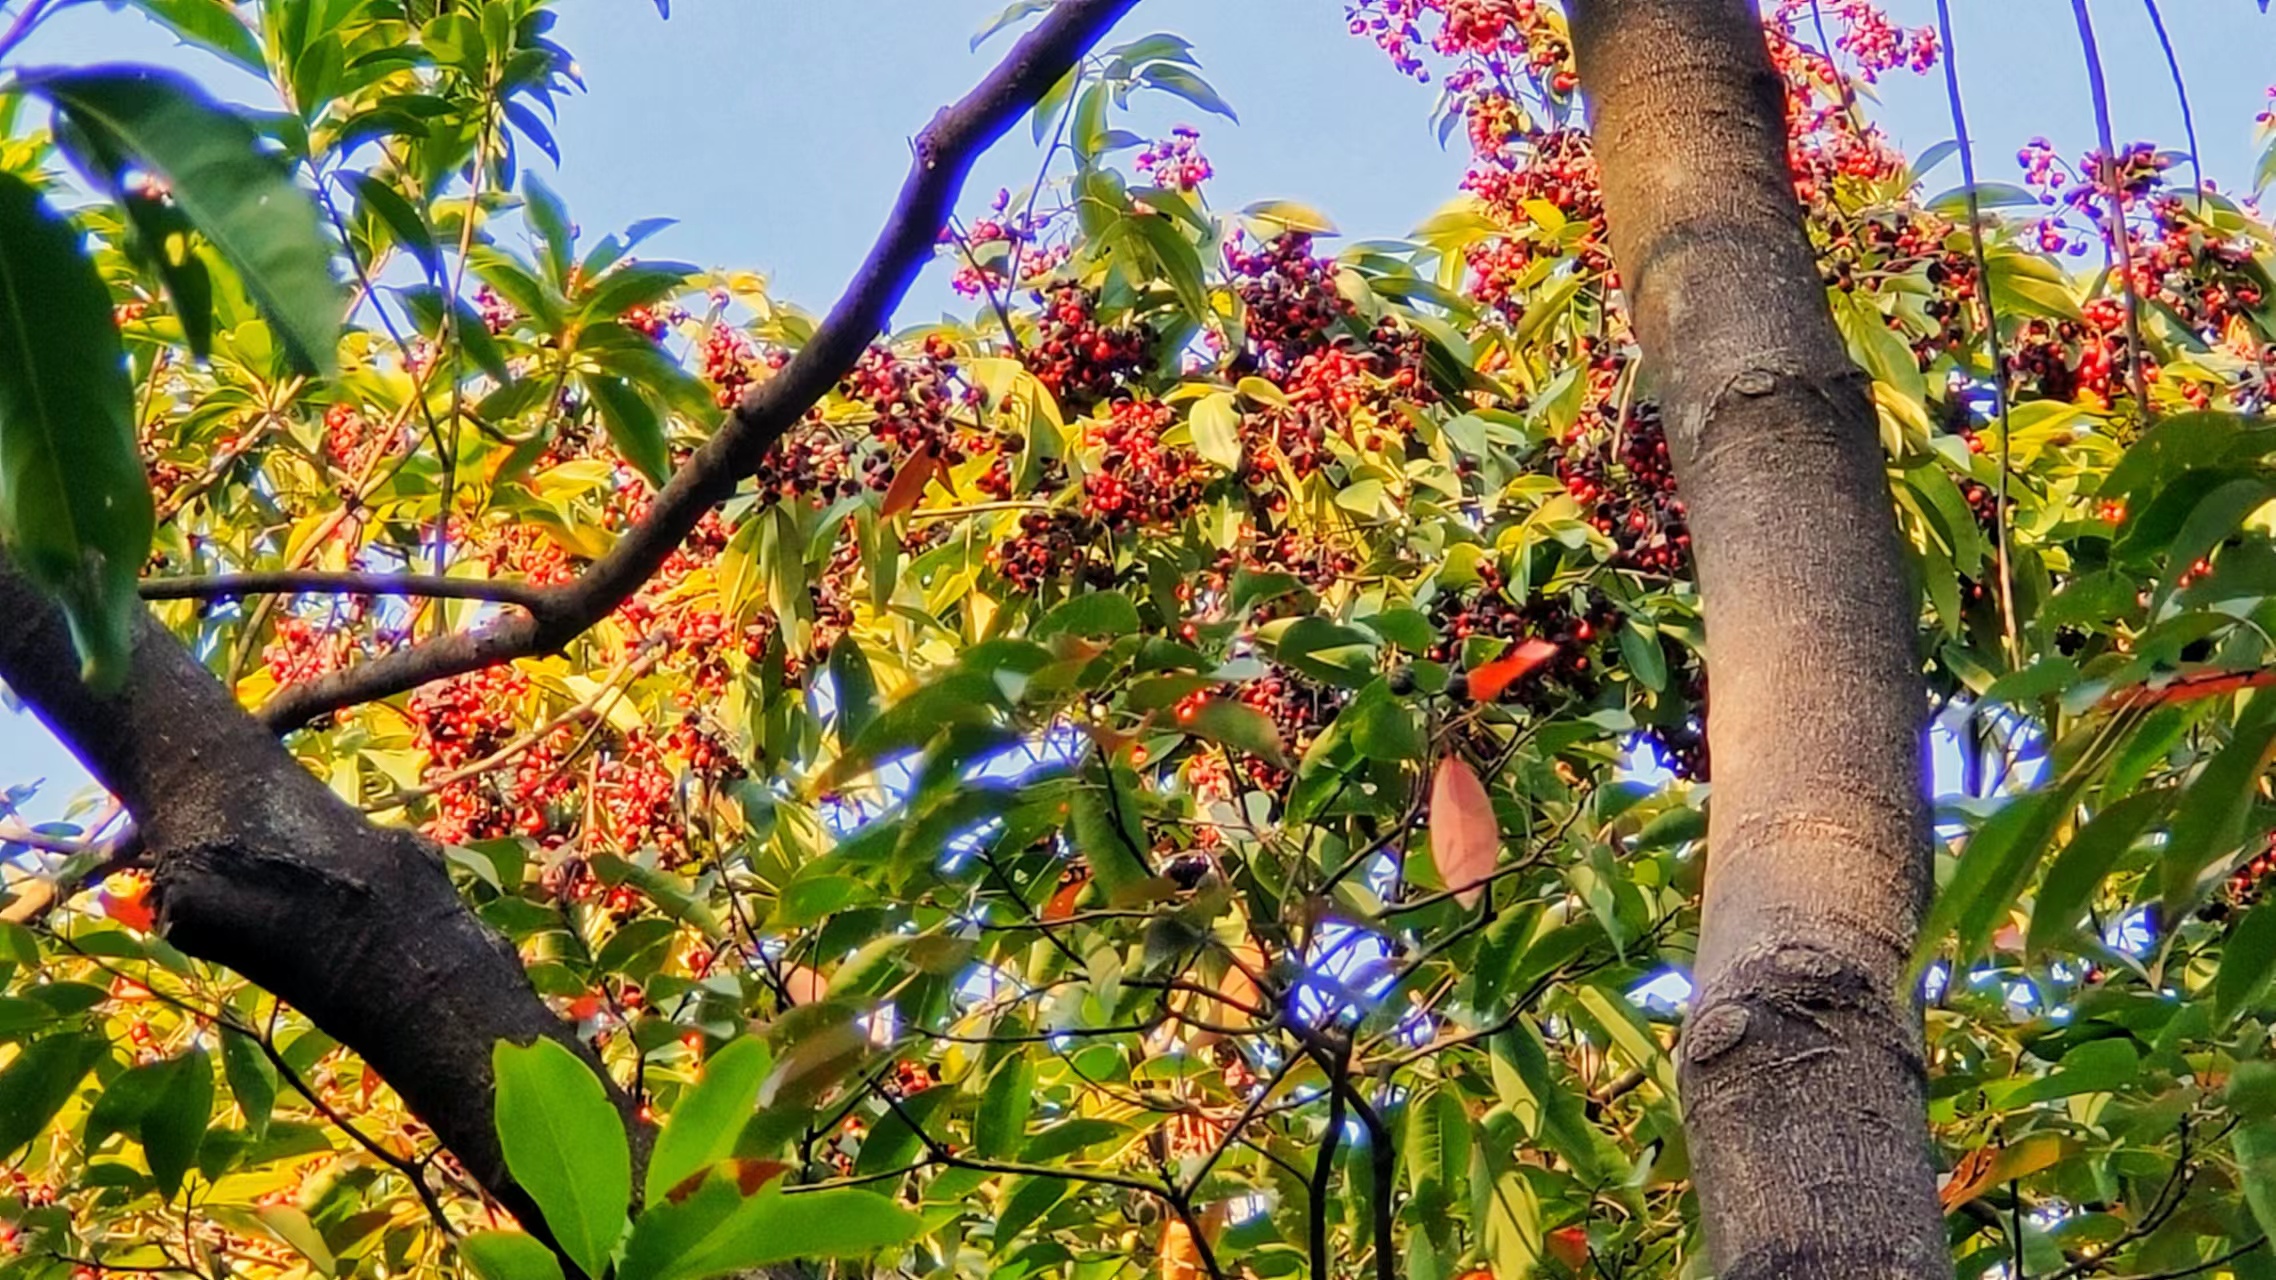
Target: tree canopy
[1196,768]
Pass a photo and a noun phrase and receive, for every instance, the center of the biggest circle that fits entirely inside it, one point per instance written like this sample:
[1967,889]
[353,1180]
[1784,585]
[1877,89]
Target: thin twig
[2120,238]
[297,582]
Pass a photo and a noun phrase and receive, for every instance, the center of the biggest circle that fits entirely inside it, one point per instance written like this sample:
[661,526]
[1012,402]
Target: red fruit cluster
[1080,360]
[1577,626]
[1327,391]
[1298,707]
[1049,545]
[1619,473]
[1140,480]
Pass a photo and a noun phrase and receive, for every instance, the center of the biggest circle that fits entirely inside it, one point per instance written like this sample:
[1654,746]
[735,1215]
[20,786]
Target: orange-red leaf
[1465,841]
[1062,904]
[1488,681]
[908,486]
[1569,1245]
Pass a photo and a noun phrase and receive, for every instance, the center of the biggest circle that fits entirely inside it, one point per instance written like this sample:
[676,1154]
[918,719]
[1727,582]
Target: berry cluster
[1176,162]
[1289,301]
[1619,473]
[1577,627]
[1298,707]
[1139,480]
[1078,359]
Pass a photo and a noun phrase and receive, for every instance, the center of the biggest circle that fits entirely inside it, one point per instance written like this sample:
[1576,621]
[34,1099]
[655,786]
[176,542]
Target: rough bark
[261,868]
[1802,1067]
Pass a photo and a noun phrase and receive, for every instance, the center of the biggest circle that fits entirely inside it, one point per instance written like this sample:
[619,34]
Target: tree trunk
[1802,1065]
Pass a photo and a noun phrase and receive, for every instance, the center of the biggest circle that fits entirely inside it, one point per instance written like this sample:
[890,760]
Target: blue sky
[777,131]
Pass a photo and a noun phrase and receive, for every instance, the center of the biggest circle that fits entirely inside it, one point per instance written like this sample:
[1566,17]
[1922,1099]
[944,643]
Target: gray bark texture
[1802,1067]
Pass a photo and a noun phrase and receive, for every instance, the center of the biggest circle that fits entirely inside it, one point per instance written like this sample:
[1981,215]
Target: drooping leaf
[240,198]
[41,1079]
[176,1122]
[402,219]
[1004,1108]
[1465,837]
[565,1144]
[633,425]
[75,509]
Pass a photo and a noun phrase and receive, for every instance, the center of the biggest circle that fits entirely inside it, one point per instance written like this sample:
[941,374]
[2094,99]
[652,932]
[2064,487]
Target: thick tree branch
[944,151]
[261,868]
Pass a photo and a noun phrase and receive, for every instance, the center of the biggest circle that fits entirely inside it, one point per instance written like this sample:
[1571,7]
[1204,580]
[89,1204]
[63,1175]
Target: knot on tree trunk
[1783,1003]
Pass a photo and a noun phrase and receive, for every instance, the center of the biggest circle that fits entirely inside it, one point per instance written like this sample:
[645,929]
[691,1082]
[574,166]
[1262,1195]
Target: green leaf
[1382,727]
[853,686]
[1993,868]
[1239,726]
[175,1124]
[2255,1146]
[635,286]
[702,1128]
[565,1144]
[401,218]
[75,509]
[212,25]
[2209,820]
[546,215]
[252,1078]
[633,426]
[2082,865]
[2248,963]
[242,199]
[1640,651]
[715,1232]
[1093,614]
[2097,1066]
[37,1084]
[1004,1109]
[1287,215]
[1171,78]
[1216,426]
[509,1255]
[1326,651]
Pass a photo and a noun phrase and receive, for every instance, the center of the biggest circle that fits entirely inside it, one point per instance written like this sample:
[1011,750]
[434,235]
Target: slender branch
[295,582]
[1324,1169]
[2121,239]
[1990,319]
[2181,92]
[945,151]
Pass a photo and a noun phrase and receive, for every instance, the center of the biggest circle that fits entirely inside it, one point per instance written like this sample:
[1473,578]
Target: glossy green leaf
[509,1255]
[75,510]
[633,425]
[1004,1108]
[2209,822]
[2080,868]
[175,1124]
[701,1130]
[565,1144]
[40,1080]
[716,1232]
[242,200]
